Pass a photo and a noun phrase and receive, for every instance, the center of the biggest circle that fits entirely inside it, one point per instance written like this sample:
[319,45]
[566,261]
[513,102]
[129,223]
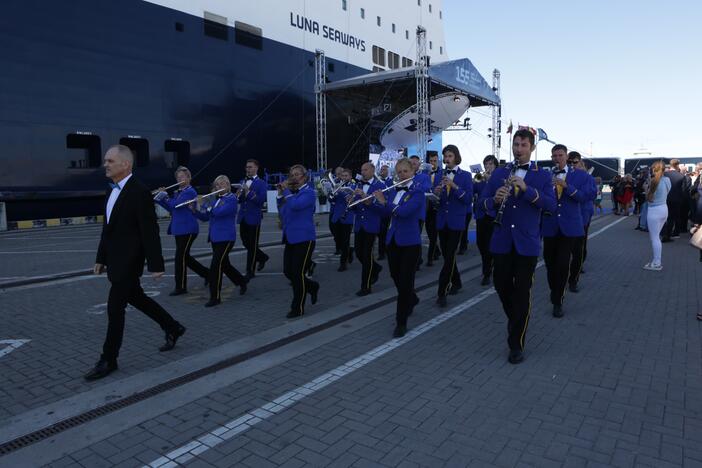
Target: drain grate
[74,421]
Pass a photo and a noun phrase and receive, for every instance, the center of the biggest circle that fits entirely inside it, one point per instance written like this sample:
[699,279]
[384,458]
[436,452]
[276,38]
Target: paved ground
[617,382]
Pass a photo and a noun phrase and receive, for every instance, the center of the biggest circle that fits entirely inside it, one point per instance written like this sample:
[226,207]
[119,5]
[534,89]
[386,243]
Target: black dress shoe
[399,331]
[515,356]
[441,301]
[103,368]
[558,311]
[261,264]
[243,287]
[342,267]
[573,288]
[485,281]
[178,292]
[454,289]
[314,292]
[172,338]
[363,292]
[293,314]
[213,302]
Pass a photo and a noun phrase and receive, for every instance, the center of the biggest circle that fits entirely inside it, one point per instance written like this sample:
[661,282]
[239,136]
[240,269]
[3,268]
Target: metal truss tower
[421,72]
[320,69]
[496,116]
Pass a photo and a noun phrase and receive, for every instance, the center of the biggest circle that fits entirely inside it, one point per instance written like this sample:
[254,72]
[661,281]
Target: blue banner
[462,75]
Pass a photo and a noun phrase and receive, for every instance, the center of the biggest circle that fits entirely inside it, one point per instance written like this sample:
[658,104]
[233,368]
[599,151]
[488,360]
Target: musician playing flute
[518,192]
[184,227]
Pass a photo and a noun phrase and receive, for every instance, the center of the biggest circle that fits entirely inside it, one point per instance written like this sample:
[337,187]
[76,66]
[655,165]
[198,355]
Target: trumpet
[157,191]
[402,182]
[508,183]
[200,197]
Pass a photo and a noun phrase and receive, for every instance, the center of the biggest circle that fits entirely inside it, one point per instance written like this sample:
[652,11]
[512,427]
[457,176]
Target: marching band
[515,206]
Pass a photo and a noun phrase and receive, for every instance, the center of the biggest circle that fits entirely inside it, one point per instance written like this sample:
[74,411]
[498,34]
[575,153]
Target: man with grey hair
[129,237]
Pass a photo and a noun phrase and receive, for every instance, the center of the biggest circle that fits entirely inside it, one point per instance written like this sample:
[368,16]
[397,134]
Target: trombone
[361,200]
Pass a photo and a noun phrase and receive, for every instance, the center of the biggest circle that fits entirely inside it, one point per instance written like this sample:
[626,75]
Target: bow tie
[450,171]
[403,188]
[249,178]
[115,186]
[559,171]
[434,172]
[524,167]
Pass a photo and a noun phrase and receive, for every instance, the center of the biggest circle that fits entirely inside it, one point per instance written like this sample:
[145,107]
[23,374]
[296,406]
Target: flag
[542,134]
[510,127]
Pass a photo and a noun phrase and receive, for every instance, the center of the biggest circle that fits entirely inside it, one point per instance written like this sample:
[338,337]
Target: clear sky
[611,75]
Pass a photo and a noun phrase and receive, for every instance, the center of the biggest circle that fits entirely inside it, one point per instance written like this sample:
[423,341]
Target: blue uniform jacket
[405,216]
[521,217]
[455,205]
[388,182]
[422,182]
[297,213]
[183,221]
[587,207]
[251,205]
[567,218]
[221,214]
[478,208]
[368,216]
[339,213]
[435,177]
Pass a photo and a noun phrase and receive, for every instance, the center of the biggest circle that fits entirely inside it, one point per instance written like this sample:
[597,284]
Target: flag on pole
[510,127]
[542,134]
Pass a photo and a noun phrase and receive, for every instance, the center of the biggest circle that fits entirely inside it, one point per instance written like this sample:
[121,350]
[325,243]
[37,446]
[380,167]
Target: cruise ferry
[202,83]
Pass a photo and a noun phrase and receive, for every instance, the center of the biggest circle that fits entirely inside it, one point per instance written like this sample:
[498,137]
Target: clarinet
[501,210]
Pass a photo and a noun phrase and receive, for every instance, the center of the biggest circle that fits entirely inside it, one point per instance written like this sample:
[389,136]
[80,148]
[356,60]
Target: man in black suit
[129,236]
[672,228]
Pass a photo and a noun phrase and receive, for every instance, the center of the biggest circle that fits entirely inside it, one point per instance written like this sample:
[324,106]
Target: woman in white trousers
[657,212]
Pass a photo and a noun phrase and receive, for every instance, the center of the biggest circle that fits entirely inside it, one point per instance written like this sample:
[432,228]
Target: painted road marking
[11,345]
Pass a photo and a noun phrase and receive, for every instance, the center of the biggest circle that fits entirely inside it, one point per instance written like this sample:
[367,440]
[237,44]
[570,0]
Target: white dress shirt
[400,194]
[114,195]
[249,182]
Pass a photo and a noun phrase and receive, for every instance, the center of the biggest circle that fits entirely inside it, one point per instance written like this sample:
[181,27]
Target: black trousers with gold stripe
[183,261]
[296,259]
[449,276]
[220,265]
[249,237]
[363,245]
[557,251]
[513,276]
[403,266]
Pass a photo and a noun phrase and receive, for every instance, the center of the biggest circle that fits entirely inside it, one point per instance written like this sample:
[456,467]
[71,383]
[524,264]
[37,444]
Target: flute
[154,192]
[200,196]
[402,182]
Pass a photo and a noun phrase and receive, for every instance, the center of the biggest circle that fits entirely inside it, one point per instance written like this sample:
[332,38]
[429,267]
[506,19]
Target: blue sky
[614,75]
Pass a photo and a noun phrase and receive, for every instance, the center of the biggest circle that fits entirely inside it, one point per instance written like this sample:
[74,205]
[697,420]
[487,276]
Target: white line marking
[243,423]
[11,345]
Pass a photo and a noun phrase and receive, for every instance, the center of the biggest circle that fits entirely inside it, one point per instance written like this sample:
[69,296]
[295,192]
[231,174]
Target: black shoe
[515,356]
[441,301]
[243,287]
[178,292]
[573,288]
[363,292]
[485,281]
[103,368]
[261,264]
[558,311]
[314,292]
[342,267]
[376,274]
[462,251]
[400,331]
[293,314]
[172,338]
[212,302]
[350,255]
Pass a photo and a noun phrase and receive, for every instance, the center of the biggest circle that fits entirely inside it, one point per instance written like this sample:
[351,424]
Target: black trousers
[183,261]
[432,233]
[684,216]
[557,250]
[343,240]
[332,230]
[250,234]
[672,224]
[464,237]
[363,245]
[449,276]
[121,294]
[220,265]
[513,278]
[384,224]
[403,266]
[296,260]
[483,234]
[577,257]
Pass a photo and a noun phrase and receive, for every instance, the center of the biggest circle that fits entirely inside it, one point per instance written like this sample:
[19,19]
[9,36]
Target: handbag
[696,239]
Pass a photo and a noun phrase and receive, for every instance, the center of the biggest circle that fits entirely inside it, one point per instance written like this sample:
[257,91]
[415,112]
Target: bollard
[3,217]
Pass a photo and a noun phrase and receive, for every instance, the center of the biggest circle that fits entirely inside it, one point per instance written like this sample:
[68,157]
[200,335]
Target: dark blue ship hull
[78,76]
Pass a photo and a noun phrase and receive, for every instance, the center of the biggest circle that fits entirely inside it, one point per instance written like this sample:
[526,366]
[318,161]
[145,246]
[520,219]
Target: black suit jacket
[131,236]
[677,180]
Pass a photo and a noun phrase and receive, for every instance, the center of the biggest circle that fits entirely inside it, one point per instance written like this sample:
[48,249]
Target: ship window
[393,28]
[140,148]
[248,35]
[379,56]
[440,15]
[393,60]
[406,62]
[180,150]
[406,33]
[378,20]
[377,69]
[343,5]
[179,27]
[363,13]
[441,50]
[431,45]
[90,146]
[216,26]
[419,2]
[430,8]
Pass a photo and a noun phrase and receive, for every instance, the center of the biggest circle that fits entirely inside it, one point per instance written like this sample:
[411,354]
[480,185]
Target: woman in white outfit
[657,212]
